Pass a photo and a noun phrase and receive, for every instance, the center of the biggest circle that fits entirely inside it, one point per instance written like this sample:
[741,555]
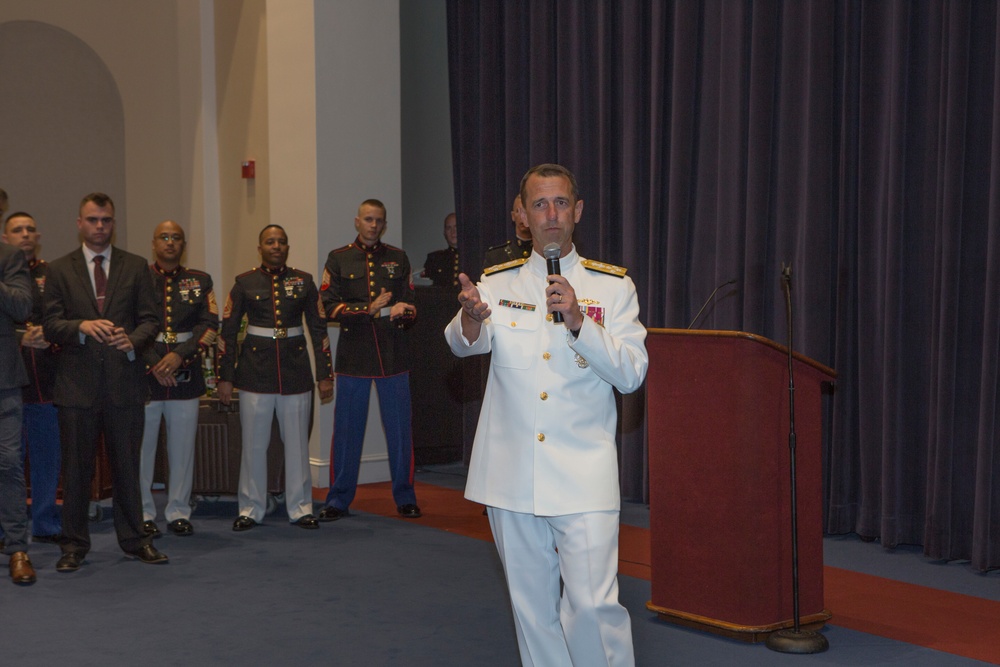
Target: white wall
[311,89]
[358,139]
[145,47]
[428,183]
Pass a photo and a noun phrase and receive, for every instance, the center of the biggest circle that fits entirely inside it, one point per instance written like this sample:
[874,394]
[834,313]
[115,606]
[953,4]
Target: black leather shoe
[409,511]
[151,529]
[180,527]
[308,521]
[69,562]
[47,539]
[332,514]
[244,523]
[148,554]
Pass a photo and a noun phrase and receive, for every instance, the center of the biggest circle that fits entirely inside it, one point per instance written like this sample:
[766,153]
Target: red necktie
[100,281]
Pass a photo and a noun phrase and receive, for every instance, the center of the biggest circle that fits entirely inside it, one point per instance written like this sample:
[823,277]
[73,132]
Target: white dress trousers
[588,626]
[256,413]
[182,427]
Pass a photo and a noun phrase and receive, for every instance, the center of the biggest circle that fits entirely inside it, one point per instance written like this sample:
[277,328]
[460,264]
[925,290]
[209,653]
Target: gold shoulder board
[609,269]
[497,268]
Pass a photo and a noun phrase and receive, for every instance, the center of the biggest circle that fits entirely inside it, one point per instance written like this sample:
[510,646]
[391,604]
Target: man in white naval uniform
[544,460]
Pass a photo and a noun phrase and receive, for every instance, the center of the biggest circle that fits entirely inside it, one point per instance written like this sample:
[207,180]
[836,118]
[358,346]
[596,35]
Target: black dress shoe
[69,562]
[308,521]
[409,511]
[180,527]
[148,554]
[151,529]
[332,514]
[47,539]
[243,523]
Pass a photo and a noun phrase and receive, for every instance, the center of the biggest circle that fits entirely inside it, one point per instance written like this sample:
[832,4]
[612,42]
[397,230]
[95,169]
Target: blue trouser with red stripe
[350,416]
[40,444]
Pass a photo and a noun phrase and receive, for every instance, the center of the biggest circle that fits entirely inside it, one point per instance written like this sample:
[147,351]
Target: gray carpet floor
[367,590]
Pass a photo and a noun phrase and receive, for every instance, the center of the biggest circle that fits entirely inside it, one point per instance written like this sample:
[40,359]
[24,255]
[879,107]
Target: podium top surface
[743,335]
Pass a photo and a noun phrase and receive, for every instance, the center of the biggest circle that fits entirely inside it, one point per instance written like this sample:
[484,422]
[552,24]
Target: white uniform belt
[279,332]
[174,337]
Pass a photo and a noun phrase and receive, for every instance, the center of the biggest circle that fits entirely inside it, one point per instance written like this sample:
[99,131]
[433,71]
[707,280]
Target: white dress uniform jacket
[545,443]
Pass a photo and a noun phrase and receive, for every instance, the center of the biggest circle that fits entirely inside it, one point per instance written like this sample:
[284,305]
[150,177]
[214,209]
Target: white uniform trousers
[256,413]
[182,427]
[587,625]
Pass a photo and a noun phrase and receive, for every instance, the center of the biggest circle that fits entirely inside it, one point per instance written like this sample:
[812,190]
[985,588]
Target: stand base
[803,641]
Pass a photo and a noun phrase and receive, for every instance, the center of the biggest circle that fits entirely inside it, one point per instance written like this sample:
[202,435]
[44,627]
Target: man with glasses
[189,320]
[99,309]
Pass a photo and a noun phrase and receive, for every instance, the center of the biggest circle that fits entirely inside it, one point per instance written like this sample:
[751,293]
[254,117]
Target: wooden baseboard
[746,633]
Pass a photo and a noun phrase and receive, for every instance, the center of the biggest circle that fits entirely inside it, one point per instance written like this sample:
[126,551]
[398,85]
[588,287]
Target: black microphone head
[551,251]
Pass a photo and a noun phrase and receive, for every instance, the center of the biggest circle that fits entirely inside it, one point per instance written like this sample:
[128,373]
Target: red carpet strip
[949,622]
[944,621]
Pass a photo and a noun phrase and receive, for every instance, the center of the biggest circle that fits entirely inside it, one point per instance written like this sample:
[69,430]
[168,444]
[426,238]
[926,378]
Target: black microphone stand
[794,640]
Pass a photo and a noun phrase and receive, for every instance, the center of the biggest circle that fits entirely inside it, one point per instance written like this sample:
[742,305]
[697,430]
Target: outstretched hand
[473,307]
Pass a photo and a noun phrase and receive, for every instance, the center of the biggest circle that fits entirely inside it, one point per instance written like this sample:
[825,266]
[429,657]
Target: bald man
[189,321]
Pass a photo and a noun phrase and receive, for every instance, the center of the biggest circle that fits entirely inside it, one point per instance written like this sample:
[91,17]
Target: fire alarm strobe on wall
[248,169]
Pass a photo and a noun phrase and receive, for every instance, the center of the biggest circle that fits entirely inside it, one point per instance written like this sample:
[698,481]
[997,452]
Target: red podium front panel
[720,488]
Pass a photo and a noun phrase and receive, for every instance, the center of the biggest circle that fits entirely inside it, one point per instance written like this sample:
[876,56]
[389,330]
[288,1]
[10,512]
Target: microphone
[709,300]
[551,253]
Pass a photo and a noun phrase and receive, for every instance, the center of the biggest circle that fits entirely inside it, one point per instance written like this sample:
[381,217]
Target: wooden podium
[719,484]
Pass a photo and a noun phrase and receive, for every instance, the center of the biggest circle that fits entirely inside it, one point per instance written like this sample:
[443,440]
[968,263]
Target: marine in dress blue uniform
[544,459]
[271,369]
[40,424]
[517,248]
[15,306]
[441,266]
[366,289]
[189,321]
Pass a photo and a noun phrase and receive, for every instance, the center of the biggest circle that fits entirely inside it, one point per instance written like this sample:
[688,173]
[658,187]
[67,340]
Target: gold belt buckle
[169,337]
[280,333]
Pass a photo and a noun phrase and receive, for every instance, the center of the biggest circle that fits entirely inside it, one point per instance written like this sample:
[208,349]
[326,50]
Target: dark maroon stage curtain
[715,140]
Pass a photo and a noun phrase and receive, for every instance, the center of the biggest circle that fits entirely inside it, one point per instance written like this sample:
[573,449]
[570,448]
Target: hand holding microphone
[551,253]
[560,295]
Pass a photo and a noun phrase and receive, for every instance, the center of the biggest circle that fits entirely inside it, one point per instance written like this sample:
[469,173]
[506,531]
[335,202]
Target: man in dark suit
[99,309]
[15,307]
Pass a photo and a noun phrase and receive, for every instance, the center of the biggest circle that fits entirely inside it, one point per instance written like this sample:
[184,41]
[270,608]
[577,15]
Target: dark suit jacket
[15,308]
[84,370]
